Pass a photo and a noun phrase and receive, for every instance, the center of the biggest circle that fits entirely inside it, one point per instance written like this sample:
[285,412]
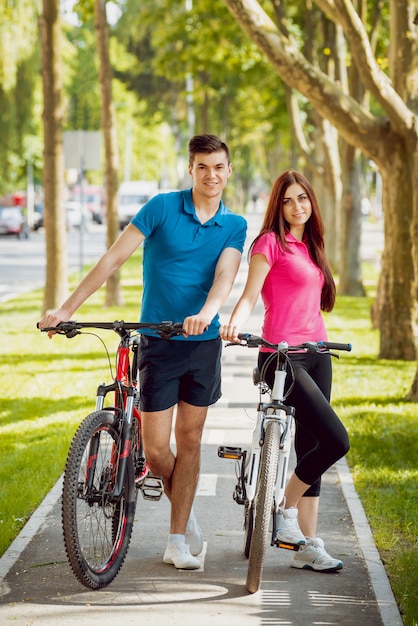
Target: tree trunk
[395,292]
[113,289]
[350,283]
[413,394]
[56,284]
[331,186]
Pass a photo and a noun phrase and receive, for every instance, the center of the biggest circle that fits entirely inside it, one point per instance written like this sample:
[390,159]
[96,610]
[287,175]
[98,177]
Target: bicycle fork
[249,463]
[152,487]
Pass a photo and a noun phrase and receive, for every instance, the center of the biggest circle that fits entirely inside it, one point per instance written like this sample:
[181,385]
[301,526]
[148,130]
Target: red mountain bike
[106,465]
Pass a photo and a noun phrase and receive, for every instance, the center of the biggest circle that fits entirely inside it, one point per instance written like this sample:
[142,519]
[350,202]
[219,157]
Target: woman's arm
[257,273]
[225,273]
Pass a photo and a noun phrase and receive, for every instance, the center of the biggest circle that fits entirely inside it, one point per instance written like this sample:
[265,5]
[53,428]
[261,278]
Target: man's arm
[110,262]
[225,273]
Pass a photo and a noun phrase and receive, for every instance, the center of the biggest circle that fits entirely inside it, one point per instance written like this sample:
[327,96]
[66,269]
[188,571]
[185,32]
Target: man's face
[210,173]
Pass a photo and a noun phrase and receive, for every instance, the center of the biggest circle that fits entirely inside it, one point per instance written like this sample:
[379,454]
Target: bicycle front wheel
[97,525]
[263,505]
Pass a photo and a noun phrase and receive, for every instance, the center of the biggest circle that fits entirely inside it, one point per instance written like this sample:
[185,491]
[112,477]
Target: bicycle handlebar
[253,341]
[331,345]
[72,328]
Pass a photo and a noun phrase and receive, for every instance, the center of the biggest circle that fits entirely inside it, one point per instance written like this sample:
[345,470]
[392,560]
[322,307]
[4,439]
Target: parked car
[93,198]
[13,222]
[75,216]
[38,216]
[132,196]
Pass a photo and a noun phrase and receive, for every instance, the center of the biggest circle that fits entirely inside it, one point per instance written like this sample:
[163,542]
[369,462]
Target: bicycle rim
[263,505]
[97,529]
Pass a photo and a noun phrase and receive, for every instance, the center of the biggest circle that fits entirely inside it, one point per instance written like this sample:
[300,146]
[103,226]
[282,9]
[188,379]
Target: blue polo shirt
[180,256]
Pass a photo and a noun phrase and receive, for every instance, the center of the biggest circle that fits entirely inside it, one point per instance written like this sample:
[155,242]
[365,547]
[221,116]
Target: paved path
[37,587]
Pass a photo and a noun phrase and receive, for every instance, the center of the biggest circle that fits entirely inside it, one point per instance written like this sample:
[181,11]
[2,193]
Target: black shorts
[170,371]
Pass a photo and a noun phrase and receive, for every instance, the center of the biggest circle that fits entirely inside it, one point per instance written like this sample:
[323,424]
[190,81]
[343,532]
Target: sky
[68,15]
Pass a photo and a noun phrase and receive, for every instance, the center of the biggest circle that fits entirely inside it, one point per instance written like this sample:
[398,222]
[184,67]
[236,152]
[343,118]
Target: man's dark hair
[206,144]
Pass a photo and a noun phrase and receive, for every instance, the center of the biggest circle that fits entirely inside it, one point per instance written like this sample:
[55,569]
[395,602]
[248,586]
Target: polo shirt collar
[189,207]
[292,239]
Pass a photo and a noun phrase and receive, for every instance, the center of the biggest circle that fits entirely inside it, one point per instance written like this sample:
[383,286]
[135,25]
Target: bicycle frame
[124,395]
[274,410]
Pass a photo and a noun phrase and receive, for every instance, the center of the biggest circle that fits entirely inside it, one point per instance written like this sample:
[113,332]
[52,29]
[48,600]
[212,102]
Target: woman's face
[297,209]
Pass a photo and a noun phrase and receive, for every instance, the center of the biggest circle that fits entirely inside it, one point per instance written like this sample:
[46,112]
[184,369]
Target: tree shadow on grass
[25,412]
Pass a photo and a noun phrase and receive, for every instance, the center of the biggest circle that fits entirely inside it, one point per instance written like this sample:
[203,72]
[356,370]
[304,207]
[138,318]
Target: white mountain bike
[262,471]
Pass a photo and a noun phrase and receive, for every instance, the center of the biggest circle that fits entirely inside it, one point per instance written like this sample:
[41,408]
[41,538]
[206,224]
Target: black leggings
[320,438]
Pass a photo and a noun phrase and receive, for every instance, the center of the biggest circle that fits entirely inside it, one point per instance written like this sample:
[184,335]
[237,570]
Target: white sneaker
[314,556]
[193,536]
[288,530]
[178,554]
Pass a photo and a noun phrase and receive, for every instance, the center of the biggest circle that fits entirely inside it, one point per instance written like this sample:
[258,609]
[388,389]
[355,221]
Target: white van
[132,195]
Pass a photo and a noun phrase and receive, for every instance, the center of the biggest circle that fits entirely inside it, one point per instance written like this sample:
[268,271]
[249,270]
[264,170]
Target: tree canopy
[268,76]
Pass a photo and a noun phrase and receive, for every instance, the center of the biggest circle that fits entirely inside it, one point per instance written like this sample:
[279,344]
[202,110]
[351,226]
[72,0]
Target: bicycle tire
[263,505]
[97,530]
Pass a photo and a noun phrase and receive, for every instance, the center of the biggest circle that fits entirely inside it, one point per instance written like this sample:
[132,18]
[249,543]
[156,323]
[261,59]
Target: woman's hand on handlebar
[53,318]
[228,332]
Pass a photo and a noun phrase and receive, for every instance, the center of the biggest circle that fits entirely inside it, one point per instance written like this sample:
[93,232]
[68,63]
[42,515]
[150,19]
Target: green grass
[369,396]
[48,386]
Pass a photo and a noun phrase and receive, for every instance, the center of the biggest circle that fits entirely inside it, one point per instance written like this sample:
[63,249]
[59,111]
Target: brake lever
[71,333]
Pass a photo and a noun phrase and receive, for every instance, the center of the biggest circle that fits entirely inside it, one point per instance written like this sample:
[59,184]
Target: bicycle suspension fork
[121,453]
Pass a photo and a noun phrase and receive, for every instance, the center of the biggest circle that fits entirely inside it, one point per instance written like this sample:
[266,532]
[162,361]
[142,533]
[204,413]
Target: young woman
[288,266]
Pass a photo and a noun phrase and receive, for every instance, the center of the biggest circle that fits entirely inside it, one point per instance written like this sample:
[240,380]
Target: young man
[192,250]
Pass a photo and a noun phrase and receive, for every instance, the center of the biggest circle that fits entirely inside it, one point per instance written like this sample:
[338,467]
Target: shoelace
[292,523]
[322,554]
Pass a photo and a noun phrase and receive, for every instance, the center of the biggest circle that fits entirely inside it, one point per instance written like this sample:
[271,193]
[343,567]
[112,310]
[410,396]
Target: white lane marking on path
[207,485]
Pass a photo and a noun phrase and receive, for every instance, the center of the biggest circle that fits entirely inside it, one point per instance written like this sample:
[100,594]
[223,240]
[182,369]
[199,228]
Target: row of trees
[374,109]
[318,85]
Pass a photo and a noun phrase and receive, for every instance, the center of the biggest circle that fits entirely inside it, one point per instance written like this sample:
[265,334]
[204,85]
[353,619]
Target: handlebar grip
[179,326]
[252,341]
[69,329]
[48,328]
[336,346]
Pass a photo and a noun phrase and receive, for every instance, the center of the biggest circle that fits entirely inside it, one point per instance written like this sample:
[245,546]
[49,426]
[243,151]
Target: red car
[13,222]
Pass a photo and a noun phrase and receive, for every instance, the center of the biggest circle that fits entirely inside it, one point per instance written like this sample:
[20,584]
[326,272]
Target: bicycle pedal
[227,452]
[288,546]
[152,487]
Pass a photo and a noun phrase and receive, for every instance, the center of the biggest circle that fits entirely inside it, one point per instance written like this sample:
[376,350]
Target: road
[22,263]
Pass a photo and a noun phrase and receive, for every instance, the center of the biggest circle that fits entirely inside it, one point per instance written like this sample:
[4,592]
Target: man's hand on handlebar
[196,324]
[53,318]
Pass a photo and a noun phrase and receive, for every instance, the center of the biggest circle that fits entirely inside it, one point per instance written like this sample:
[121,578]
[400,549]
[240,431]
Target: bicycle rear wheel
[263,505]
[97,526]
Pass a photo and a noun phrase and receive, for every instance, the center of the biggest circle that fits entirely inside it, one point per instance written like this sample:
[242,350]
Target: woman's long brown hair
[314,229]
